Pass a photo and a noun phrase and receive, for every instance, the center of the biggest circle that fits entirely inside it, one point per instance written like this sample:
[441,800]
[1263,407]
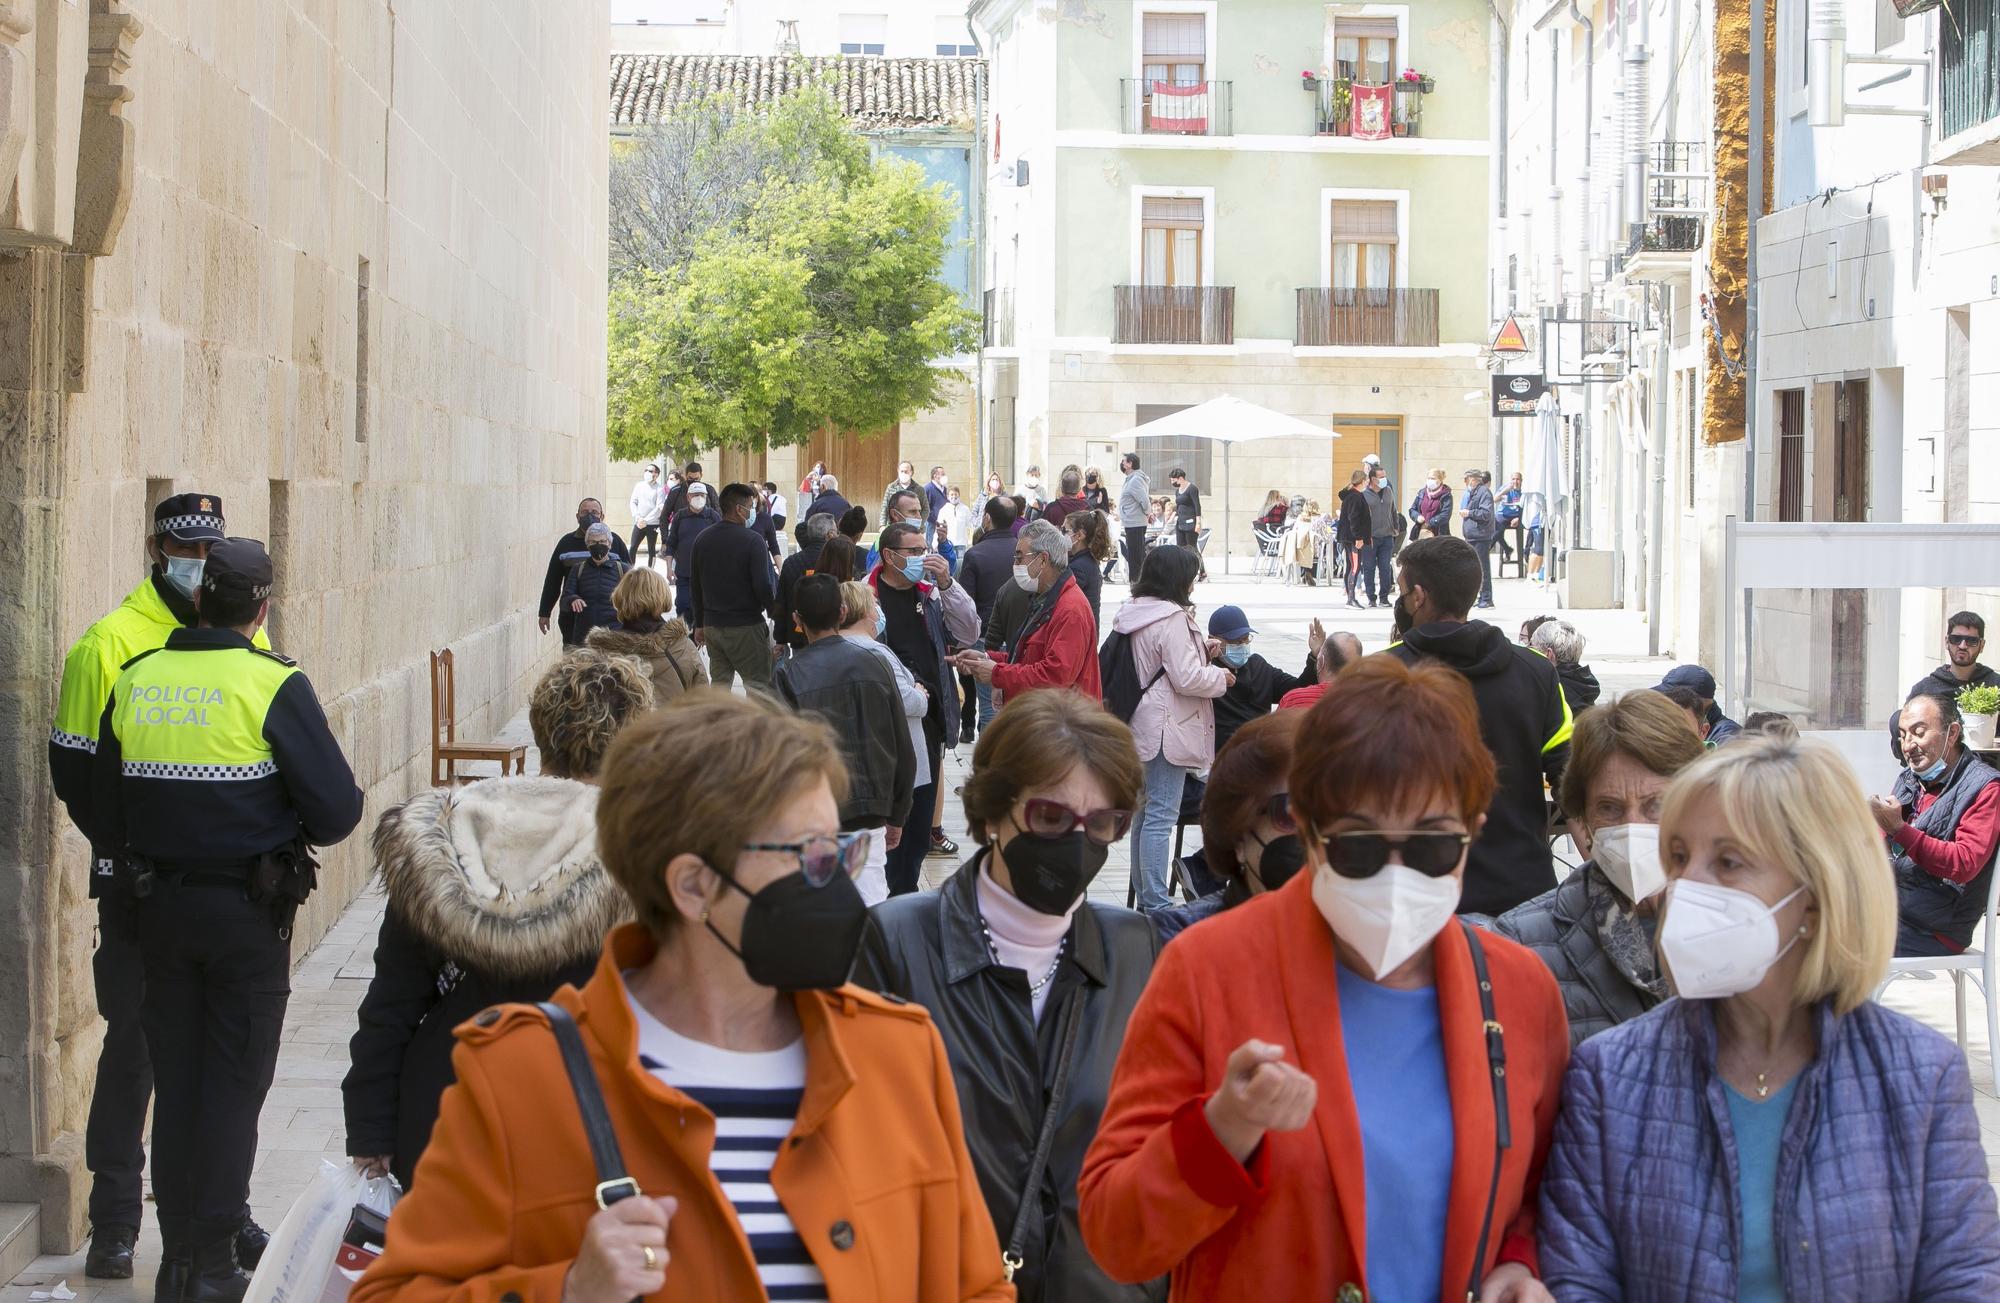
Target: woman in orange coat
[787,1136]
[1305,1105]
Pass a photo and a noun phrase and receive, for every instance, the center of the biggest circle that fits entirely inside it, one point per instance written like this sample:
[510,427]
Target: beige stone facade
[358,292]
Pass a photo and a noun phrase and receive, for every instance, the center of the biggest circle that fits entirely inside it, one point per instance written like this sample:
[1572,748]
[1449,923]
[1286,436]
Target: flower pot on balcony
[1341,126]
[1399,128]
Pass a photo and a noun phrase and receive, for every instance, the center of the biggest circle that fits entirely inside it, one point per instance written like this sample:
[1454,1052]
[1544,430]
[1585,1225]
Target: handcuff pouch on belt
[282,879]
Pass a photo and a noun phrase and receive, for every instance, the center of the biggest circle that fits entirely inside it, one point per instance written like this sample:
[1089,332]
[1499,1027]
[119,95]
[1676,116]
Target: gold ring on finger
[652,1259]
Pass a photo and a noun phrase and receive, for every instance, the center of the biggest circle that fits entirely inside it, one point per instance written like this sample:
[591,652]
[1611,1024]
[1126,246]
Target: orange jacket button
[842,1235]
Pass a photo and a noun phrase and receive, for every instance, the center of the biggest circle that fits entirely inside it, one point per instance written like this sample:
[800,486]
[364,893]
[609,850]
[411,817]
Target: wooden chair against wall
[446,749]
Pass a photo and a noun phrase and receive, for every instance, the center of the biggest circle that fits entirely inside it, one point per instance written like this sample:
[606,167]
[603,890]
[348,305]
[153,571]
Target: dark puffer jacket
[844,684]
[1561,927]
[496,896]
[1580,687]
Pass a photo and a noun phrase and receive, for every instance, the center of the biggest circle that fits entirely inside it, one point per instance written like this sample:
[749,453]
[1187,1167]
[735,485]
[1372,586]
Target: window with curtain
[1176,49]
[1364,50]
[1364,244]
[1170,235]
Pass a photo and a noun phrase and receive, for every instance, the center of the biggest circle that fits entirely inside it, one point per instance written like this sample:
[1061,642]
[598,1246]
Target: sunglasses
[1362,854]
[822,859]
[1045,818]
[1964,639]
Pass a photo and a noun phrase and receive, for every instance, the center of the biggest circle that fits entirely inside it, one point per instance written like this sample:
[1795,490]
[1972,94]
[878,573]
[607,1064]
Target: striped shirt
[755,1098]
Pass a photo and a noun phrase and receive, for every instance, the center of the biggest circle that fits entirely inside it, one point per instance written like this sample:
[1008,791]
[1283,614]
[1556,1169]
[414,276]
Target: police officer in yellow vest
[214,772]
[184,527]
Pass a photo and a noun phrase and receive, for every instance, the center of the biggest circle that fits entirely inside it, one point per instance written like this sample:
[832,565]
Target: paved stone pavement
[301,1125]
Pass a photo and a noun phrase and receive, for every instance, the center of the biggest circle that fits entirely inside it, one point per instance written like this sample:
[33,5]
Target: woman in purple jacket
[1771,1134]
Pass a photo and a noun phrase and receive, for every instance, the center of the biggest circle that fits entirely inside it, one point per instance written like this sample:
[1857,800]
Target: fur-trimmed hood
[662,641]
[502,876]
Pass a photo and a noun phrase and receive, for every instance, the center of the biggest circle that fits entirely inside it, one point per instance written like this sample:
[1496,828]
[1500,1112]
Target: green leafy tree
[770,280]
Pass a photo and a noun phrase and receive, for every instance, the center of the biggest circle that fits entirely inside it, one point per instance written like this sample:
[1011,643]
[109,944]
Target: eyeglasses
[821,859]
[1964,639]
[1362,854]
[1278,810]
[917,550]
[1046,818]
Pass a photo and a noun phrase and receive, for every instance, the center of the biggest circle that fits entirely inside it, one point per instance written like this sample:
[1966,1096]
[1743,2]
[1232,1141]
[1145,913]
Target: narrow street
[301,1125]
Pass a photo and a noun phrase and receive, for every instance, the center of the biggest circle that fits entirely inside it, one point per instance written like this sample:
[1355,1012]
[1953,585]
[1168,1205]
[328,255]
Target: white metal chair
[1270,544]
[1981,963]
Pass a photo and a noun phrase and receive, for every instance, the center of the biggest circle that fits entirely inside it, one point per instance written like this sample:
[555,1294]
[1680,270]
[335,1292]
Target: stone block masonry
[358,293]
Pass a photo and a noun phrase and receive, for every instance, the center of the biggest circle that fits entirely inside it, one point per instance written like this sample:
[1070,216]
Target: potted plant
[1412,82]
[1978,706]
[1343,106]
[1310,80]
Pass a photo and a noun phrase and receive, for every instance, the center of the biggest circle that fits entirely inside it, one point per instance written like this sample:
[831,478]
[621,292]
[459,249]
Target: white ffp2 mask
[1387,916]
[1719,941]
[1629,854]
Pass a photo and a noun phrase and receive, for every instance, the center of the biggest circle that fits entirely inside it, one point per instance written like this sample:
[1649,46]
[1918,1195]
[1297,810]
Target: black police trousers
[113,1139]
[218,977]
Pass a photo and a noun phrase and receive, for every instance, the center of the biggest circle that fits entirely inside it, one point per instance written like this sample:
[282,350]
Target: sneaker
[251,1242]
[1356,605]
[110,1256]
[942,845]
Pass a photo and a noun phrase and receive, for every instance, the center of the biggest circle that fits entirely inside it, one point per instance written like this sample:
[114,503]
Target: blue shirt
[1758,1125]
[1395,1066]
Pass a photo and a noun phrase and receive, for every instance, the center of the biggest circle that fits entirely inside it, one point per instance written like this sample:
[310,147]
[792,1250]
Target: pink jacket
[1177,714]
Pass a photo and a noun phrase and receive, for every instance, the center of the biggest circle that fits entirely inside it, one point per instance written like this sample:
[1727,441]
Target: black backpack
[1118,674]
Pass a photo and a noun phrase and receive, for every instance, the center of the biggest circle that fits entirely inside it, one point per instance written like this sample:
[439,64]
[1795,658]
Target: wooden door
[1361,435]
[863,463]
[1850,605]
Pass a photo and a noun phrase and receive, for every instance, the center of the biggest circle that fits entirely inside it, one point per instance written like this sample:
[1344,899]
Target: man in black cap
[588,512]
[1701,683]
[185,525]
[215,773]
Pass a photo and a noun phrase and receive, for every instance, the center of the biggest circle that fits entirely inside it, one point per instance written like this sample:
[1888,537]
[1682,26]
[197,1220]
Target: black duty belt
[206,873]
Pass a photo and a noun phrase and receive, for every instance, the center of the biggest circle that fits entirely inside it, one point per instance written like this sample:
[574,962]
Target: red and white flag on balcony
[1181,108]
[1371,112]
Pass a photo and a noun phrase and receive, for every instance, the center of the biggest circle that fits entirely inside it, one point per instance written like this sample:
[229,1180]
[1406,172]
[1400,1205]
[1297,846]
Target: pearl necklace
[1034,988]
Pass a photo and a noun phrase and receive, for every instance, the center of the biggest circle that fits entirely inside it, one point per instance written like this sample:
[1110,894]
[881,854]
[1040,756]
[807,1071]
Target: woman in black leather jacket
[496,896]
[1008,955]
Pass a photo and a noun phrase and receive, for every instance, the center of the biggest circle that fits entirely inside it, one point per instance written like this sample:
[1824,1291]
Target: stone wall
[359,295]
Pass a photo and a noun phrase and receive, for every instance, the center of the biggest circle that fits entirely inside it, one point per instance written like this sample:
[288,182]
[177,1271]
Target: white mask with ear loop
[1629,854]
[1719,941]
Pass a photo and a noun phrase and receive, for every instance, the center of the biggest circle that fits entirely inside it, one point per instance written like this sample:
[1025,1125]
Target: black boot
[110,1256]
[250,1244]
[214,1276]
[171,1283]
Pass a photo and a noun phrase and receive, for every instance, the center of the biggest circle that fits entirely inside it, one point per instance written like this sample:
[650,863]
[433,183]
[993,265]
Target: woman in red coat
[1306,1101]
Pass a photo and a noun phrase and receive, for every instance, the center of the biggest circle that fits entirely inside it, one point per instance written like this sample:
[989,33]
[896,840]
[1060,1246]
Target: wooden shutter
[1176,214]
[1364,221]
[1178,37]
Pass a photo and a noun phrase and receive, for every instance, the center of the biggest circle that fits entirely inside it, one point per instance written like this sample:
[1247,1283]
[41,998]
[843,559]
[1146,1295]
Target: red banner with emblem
[1371,112]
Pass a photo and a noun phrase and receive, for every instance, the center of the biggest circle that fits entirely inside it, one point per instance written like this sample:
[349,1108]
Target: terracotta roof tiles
[874,92]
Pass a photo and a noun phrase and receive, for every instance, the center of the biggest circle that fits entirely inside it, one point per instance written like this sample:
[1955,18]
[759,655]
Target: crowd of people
[675,1015]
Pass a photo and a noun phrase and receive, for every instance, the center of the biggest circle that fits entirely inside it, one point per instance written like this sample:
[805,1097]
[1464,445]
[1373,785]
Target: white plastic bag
[300,1256]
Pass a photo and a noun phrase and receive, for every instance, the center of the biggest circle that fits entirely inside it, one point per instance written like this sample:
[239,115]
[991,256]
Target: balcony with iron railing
[1332,316]
[1677,205]
[1163,108]
[999,319]
[1968,90]
[1173,314]
[1334,107]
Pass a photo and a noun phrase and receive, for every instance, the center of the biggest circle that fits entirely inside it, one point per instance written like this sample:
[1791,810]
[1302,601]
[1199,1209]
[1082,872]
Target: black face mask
[585,519]
[600,550]
[798,937]
[1283,857]
[1404,620]
[1051,873]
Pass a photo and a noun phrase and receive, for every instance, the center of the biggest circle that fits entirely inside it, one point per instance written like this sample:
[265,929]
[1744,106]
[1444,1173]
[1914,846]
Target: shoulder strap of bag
[1031,1203]
[613,1184]
[1503,1138]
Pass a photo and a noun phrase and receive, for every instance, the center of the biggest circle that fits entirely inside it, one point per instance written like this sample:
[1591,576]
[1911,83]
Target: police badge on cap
[189,518]
[238,567]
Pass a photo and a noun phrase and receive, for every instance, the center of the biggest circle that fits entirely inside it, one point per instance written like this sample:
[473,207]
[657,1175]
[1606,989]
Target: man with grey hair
[1057,647]
[1561,642]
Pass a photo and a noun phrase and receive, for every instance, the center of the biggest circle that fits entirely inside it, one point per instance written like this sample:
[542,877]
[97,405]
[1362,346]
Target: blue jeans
[1153,830]
[1375,560]
[986,711]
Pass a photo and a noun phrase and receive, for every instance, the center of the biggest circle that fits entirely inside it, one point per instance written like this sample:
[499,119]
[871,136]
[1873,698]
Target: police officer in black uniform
[215,772]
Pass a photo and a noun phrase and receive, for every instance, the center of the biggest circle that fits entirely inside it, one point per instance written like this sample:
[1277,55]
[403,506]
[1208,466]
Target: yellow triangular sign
[1510,339]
